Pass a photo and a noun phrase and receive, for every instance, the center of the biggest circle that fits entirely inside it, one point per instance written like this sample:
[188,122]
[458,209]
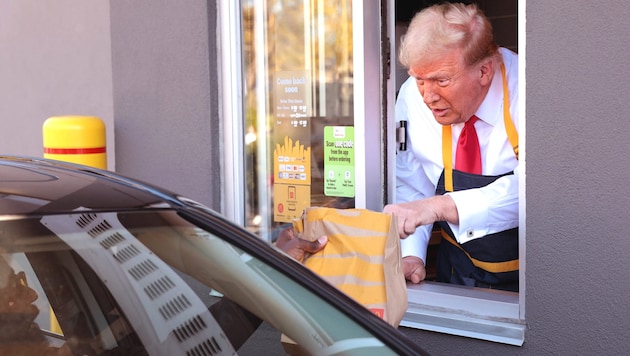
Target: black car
[93,263]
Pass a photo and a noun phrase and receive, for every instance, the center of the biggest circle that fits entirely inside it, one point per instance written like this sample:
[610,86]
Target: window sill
[471,312]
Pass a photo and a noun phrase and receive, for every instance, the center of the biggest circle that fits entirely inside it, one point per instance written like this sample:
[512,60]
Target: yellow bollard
[76,139]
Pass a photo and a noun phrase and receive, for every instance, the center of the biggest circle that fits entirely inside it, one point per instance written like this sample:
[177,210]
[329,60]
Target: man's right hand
[412,214]
[414,269]
[298,248]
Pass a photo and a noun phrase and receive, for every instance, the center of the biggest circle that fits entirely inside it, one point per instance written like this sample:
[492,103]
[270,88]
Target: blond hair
[438,29]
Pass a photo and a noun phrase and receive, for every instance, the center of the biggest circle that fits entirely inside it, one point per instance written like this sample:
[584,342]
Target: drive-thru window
[309,87]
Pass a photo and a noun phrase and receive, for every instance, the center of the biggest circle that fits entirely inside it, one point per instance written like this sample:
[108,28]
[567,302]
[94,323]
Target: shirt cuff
[417,243]
[472,209]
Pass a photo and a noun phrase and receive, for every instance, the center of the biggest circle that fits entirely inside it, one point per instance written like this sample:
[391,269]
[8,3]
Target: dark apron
[488,262]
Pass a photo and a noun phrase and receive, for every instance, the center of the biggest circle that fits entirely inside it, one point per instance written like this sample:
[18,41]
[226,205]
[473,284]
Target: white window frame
[476,313]
[367,105]
[229,35]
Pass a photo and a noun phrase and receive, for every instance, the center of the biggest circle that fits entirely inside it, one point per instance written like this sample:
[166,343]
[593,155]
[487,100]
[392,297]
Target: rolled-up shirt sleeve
[486,210]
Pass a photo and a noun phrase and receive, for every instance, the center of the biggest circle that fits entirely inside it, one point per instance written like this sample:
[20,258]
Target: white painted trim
[358,65]
[522,157]
[231,102]
[368,131]
[471,312]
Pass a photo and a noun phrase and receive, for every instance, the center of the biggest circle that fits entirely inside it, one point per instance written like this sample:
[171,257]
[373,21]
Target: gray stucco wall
[578,208]
[162,71]
[55,59]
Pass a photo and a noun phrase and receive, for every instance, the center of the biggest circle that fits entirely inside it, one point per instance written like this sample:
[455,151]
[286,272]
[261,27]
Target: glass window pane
[298,105]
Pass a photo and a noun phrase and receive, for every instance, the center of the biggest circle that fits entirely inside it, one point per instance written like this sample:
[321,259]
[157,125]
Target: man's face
[451,89]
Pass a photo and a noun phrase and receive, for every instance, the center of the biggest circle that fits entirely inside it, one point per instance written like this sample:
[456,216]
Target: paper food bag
[362,257]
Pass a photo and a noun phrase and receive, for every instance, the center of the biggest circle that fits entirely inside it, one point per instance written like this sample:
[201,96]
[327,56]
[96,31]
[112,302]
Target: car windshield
[150,282]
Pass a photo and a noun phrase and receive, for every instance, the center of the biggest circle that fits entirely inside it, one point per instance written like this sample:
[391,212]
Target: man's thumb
[319,244]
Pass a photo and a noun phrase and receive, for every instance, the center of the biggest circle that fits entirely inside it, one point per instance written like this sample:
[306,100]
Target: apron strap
[507,118]
[493,267]
[447,157]
[447,136]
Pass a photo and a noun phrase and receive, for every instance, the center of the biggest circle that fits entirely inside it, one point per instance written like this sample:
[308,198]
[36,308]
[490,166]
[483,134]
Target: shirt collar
[489,111]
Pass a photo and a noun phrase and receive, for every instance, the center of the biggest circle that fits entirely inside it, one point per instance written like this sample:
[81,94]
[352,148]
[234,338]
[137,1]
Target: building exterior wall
[159,96]
[164,69]
[55,59]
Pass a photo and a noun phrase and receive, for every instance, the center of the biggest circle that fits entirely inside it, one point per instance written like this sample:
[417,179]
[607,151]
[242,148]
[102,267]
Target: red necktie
[468,155]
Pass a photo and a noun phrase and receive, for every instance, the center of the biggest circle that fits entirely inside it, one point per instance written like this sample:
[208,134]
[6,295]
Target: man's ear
[486,71]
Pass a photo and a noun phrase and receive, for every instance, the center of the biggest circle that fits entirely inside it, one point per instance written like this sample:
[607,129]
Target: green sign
[339,161]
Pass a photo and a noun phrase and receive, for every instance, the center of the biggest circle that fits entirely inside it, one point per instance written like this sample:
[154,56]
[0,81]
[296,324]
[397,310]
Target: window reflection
[297,80]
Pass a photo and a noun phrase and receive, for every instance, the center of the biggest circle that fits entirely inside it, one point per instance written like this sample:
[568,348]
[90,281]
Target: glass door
[309,92]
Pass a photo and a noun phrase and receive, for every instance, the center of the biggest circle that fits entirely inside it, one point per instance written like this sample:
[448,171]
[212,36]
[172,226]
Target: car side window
[151,282]
[57,304]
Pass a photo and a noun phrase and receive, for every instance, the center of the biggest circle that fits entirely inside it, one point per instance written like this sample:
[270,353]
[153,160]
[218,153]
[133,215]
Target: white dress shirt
[482,211]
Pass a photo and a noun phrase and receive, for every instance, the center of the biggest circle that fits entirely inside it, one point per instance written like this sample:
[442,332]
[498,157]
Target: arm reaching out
[411,215]
[297,247]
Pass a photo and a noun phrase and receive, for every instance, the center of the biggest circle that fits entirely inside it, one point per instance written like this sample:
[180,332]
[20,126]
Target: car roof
[41,186]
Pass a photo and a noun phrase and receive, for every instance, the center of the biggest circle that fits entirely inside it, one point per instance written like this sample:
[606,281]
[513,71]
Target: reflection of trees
[249,82]
[288,47]
[318,41]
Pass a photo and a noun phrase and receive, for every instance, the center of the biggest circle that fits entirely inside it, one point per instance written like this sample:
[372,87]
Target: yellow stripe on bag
[368,287]
[360,256]
[369,246]
[360,288]
[370,221]
[367,295]
[326,267]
